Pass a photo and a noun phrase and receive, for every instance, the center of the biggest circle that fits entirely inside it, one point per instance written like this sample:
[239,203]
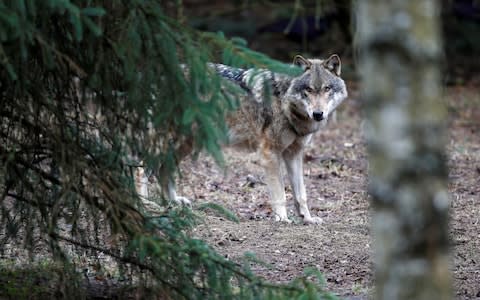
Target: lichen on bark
[399,54]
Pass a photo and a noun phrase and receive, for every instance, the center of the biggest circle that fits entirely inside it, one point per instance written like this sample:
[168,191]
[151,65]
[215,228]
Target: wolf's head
[315,94]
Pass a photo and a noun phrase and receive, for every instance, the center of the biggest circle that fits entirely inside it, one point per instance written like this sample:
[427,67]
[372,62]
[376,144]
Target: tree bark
[399,51]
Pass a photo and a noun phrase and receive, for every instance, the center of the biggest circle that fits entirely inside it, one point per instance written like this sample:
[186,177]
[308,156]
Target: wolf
[277,125]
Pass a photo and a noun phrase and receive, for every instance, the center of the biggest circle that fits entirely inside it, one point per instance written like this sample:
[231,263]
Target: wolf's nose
[318,115]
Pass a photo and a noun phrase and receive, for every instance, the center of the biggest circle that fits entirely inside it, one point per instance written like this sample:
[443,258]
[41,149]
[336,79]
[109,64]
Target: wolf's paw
[312,220]
[285,219]
[179,200]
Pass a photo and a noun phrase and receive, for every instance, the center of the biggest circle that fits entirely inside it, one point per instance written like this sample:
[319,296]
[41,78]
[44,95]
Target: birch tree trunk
[399,54]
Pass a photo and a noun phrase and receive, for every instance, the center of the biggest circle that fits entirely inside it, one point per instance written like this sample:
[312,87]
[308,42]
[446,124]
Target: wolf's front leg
[294,164]
[274,180]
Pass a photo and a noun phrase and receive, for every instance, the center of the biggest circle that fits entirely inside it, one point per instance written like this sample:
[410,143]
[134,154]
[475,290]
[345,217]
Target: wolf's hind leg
[167,182]
[169,192]
[141,182]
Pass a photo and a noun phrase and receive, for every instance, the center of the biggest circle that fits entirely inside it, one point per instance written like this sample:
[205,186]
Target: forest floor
[336,178]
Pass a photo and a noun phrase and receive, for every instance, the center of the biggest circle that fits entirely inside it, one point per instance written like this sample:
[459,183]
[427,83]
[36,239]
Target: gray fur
[280,124]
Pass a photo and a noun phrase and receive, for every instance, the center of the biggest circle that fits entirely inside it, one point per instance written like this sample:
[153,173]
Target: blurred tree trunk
[399,51]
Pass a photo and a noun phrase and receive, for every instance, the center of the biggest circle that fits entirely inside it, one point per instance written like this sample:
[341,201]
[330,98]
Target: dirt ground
[335,175]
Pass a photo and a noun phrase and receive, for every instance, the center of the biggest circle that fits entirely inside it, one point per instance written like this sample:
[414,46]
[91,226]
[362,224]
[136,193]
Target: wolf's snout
[318,115]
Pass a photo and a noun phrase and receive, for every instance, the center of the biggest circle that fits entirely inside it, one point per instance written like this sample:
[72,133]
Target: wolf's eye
[326,88]
[307,91]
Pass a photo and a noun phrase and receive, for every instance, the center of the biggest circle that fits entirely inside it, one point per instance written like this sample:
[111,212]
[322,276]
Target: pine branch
[71,63]
[125,259]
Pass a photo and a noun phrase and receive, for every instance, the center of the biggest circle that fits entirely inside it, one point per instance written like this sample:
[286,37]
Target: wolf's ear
[300,61]
[333,64]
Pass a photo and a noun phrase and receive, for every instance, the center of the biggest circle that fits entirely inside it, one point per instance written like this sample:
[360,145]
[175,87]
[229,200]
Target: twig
[80,72]
[129,260]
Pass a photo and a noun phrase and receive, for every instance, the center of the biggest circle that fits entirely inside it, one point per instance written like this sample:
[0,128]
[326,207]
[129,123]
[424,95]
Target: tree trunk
[399,54]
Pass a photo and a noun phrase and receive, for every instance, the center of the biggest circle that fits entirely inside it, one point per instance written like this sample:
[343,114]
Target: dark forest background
[282,29]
